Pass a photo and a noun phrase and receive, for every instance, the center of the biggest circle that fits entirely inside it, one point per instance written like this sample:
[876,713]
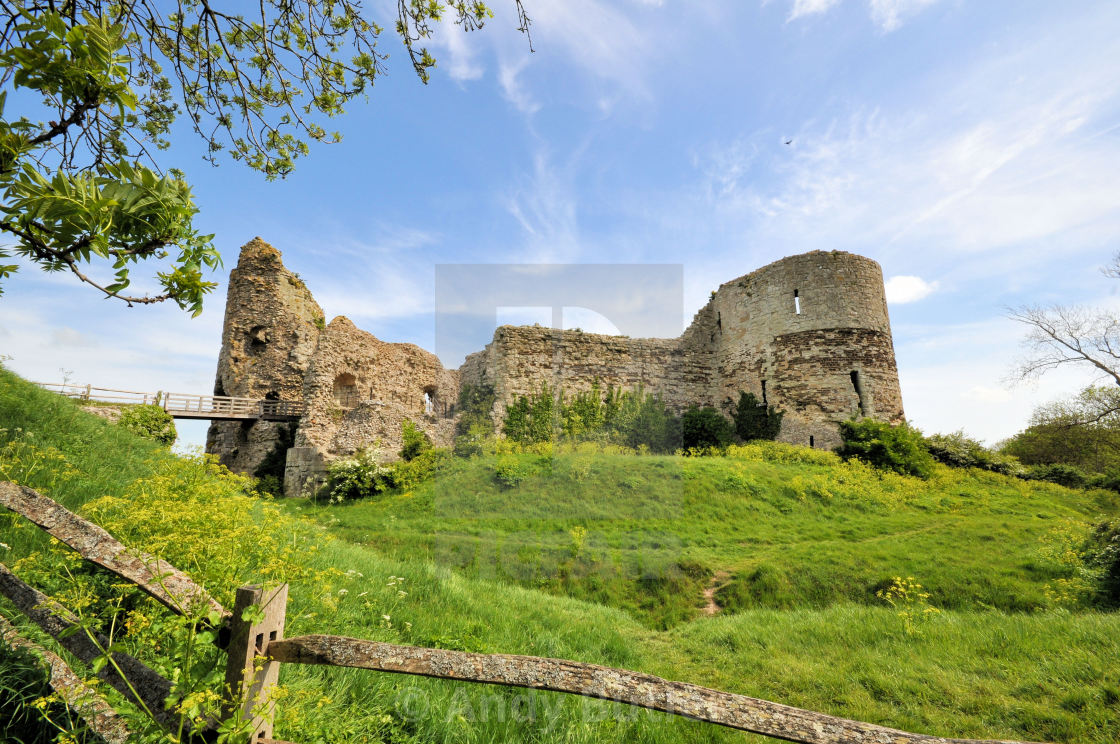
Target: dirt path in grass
[710,606]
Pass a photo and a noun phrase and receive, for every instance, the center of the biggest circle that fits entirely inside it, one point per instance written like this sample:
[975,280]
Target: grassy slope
[803,532]
[1034,676]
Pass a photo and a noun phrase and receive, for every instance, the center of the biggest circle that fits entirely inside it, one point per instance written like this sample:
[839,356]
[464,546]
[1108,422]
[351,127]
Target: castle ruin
[808,334]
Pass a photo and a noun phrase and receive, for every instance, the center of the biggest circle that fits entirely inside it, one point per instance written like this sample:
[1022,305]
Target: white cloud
[889,14]
[513,87]
[802,8]
[903,289]
[1009,154]
[463,52]
[546,207]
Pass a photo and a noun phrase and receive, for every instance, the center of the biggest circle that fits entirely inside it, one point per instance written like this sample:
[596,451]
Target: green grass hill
[765,573]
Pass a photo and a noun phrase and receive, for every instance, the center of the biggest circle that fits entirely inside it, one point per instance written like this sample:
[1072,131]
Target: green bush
[356,477]
[1069,476]
[408,474]
[632,418]
[414,442]
[476,402]
[756,420]
[900,449]
[150,422]
[1103,554]
[705,428]
[957,450]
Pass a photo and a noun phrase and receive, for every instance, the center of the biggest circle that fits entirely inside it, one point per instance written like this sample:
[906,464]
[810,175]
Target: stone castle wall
[809,334]
[792,332]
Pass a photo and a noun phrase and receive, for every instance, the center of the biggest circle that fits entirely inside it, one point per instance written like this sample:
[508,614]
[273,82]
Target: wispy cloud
[888,15]
[802,8]
[545,205]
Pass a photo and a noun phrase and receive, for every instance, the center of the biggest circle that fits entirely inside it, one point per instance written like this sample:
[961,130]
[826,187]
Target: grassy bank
[770,526]
[468,563]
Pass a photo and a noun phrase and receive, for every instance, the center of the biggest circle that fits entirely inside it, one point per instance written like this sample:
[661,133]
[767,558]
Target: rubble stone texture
[809,334]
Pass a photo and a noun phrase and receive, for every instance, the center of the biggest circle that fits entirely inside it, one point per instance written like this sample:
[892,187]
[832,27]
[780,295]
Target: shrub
[632,418]
[900,449]
[408,474]
[705,428]
[476,402]
[357,476]
[414,442]
[150,422]
[1064,475]
[756,420]
[957,450]
[1103,554]
[532,418]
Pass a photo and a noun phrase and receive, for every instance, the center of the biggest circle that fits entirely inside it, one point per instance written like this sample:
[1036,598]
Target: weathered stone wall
[269,336]
[809,334]
[792,332]
[359,390]
[522,358]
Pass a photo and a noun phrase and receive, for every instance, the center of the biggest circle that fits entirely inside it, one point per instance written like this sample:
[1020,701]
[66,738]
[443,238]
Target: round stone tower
[810,335]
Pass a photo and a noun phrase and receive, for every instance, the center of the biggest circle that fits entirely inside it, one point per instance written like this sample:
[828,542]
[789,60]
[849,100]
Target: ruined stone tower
[808,334]
[270,334]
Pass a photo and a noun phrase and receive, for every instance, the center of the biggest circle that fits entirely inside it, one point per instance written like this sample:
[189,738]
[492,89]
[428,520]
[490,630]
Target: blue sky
[972,148]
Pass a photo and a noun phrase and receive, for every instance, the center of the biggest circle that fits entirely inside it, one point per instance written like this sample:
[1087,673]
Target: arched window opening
[345,390]
[796,303]
[431,404]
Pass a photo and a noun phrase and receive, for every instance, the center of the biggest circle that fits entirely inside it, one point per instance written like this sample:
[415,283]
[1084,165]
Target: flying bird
[789,142]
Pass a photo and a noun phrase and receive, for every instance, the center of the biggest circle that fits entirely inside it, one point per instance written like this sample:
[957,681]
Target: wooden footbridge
[187,406]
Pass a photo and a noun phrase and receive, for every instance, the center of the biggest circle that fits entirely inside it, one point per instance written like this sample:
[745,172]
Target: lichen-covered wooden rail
[188,405]
[251,642]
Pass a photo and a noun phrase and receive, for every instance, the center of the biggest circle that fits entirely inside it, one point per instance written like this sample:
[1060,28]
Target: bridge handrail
[180,402]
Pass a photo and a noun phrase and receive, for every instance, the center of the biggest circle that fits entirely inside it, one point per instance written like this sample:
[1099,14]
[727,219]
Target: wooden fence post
[249,678]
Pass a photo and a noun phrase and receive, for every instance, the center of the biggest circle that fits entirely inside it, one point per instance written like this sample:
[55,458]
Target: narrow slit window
[796,303]
[857,386]
[811,441]
[764,401]
[719,322]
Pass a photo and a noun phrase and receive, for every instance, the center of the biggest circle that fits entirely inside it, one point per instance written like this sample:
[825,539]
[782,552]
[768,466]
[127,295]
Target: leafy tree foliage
[414,442]
[958,450]
[756,420]
[633,418]
[150,422]
[476,404]
[1083,431]
[898,448]
[705,428]
[79,177]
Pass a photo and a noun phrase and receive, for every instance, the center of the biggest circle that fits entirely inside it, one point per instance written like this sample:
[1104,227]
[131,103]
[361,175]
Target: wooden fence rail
[248,641]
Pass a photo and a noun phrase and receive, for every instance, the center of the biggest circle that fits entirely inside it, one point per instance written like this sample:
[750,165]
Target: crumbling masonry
[808,334]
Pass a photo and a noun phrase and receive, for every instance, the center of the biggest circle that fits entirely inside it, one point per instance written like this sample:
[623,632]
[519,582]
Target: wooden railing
[186,405]
[249,641]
